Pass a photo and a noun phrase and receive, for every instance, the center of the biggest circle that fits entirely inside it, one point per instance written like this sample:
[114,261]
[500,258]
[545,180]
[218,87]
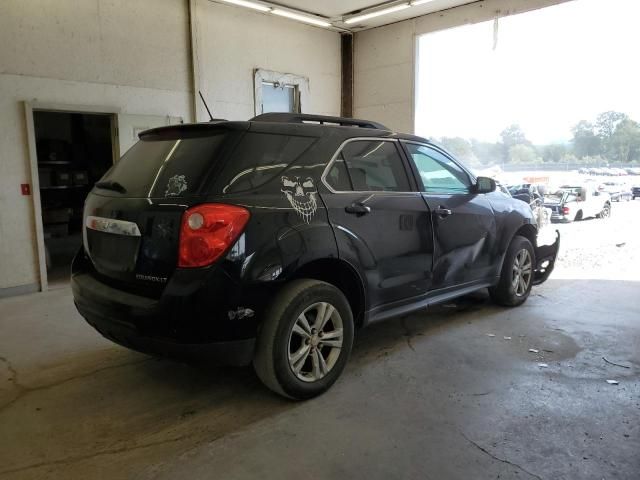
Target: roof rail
[320,119]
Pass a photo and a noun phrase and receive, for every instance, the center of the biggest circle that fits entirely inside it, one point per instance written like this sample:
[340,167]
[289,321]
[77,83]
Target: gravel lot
[600,249]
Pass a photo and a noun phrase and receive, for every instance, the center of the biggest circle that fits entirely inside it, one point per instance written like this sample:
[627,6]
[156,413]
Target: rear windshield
[165,168]
[176,168]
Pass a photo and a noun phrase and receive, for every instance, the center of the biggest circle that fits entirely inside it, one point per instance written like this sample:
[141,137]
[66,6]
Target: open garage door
[129,127]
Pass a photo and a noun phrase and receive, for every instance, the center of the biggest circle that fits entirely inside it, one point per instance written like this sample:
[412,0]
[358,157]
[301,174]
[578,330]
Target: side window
[374,165]
[338,177]
[438,173]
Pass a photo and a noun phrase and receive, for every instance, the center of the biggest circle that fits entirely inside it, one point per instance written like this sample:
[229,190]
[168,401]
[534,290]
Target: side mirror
[485,185]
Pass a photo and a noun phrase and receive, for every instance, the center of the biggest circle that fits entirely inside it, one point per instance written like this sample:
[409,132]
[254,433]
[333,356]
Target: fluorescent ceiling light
[367,16]
[415,3]
[300,18]
[252,5]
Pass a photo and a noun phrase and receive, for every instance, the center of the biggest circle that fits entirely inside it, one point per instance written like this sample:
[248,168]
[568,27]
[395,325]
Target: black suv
[270,241]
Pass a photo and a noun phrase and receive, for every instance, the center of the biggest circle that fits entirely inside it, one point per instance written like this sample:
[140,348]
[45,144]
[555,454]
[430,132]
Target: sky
[552,68]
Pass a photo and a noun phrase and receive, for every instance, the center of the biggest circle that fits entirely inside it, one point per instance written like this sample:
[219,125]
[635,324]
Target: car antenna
[206,106]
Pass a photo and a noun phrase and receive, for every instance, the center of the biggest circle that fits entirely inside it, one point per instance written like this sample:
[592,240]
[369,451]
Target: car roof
[307,125]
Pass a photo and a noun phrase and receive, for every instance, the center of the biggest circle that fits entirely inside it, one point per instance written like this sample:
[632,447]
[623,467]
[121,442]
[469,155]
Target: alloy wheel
[522,272]
[315,342]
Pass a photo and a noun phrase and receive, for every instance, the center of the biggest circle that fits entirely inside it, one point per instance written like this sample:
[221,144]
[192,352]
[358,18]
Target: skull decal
[301,196]
[176,185]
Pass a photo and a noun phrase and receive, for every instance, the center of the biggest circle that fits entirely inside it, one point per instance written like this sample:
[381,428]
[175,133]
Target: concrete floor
[431,396]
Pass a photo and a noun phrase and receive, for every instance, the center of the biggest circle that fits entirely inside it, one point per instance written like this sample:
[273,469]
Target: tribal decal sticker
[301,196]
[176,185]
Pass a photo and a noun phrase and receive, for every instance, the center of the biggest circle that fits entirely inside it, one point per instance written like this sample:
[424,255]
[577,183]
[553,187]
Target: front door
[382,225]
[463,221]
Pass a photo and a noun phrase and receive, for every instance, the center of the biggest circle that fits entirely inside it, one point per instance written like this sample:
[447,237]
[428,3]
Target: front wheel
[305,340]
[605,212]
[516,277]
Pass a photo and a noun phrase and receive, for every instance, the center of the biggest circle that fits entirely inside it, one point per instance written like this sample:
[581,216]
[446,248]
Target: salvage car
[618,191]
[270,241]
[574,203]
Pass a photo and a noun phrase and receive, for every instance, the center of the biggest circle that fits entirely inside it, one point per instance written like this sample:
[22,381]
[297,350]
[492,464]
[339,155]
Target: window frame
[416,173]
[402,154]
[293,86]
[262,75]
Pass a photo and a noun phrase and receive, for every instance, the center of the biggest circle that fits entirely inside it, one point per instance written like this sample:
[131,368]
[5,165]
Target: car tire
[282,348]
[605,212]
[520,257]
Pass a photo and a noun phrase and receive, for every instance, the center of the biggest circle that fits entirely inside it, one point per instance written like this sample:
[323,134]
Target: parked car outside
[573,203]
[269,242]
[618,191]
[526,192]
[635,191]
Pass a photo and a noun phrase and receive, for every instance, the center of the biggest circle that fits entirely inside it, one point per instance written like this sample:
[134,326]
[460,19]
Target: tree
[523,154]
[553,153]
[487,153]
[512,136]
[624,143]
[607,122]
[585,141]
[459,147]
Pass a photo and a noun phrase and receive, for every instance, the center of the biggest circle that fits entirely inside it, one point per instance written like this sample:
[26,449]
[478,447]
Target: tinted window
[438,172]
[166,168]
[259,158]
[175,168]
[375,166]
[338,177]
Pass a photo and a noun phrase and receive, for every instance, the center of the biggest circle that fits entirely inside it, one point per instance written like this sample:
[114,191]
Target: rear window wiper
[111,185]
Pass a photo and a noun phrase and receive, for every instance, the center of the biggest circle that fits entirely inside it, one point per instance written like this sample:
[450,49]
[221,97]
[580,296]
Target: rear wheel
[516,277]
[305,340]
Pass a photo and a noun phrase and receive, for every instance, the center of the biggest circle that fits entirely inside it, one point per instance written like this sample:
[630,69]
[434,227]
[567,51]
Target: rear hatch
[132,216]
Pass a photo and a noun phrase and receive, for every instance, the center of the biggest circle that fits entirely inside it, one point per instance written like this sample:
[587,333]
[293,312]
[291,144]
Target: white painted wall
[132,56]
[384,63]
[232,42]
[135,56]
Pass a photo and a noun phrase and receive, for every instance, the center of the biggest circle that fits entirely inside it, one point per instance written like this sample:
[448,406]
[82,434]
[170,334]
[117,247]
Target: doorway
[74,150]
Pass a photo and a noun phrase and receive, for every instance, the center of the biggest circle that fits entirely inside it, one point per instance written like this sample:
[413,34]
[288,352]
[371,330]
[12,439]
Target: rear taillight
[208,231]
[565,210]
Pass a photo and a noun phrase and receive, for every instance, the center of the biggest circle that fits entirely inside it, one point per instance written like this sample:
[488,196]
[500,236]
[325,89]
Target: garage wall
[231,42]
[131,56]
[384,64]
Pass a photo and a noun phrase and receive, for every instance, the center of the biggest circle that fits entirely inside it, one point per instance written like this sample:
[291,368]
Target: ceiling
[336,9]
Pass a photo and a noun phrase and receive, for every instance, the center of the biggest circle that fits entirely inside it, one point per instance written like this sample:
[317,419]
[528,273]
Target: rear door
[382,225]
[463,221]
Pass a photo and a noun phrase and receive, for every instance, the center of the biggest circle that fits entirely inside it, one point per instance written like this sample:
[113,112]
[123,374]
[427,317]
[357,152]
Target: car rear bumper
[145,324]
[558,218]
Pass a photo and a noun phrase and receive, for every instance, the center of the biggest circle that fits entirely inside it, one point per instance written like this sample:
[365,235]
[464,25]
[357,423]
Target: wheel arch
[529,232]
[343,276]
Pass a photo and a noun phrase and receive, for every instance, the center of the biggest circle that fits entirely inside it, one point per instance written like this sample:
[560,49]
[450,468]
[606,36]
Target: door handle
[358,209]
[442,211]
